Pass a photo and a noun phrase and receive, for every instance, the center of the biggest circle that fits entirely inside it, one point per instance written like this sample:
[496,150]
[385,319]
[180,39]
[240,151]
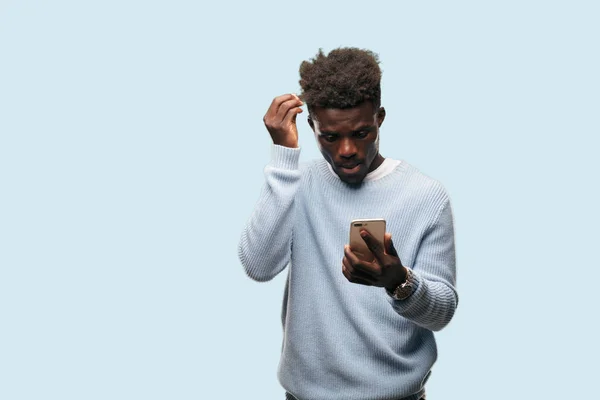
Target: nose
[347,148]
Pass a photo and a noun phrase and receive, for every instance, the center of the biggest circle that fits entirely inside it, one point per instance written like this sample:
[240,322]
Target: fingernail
[363,233]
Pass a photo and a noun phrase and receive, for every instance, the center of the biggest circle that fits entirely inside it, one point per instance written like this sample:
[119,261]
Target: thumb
[389,246]
[296,114]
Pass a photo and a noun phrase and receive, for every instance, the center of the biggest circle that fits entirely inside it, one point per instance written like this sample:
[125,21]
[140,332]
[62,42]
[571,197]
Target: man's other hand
[385,271]
[280,119]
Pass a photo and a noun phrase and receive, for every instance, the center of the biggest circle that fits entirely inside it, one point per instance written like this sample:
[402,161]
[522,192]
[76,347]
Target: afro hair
[344,78]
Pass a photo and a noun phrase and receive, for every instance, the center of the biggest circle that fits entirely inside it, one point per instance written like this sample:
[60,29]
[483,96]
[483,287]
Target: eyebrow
[362,128]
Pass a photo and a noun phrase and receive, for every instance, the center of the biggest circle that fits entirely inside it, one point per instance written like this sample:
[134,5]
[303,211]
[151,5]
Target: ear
[310,122]
[380,116]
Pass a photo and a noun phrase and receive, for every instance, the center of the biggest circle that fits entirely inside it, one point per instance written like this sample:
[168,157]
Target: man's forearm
[434,301]
[431,306]
[265,245]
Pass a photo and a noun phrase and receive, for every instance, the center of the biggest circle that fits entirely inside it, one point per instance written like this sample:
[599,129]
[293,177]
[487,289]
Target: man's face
[348,139]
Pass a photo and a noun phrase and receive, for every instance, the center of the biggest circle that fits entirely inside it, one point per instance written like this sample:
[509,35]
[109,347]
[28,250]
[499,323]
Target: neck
[376,162]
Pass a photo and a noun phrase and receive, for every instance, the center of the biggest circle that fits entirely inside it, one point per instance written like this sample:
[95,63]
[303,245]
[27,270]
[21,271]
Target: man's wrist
[404,289]
[289,144]
[400,281]
[285,157]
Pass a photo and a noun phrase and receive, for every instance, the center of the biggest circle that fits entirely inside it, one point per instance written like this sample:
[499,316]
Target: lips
[349,168]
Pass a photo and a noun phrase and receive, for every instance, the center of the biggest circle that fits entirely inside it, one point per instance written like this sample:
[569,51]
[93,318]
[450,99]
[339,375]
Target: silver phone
[376,227]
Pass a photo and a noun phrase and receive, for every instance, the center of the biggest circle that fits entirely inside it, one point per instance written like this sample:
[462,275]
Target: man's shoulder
[412,180]
[312,168]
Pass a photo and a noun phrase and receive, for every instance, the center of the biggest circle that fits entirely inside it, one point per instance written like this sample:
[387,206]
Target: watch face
[403,291]
[406,289]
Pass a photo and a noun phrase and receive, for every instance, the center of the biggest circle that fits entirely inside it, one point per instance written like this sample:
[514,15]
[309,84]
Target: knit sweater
[344,340]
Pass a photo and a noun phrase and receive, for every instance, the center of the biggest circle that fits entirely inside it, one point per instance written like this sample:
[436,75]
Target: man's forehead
[350,118]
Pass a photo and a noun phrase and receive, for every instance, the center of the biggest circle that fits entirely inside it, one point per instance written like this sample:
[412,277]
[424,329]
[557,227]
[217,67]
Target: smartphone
[376,227]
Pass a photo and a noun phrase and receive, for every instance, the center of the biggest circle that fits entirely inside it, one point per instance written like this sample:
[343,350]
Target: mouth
[349,168]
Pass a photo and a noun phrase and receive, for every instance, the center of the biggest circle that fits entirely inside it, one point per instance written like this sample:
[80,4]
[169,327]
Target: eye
[361,134]
[329,138]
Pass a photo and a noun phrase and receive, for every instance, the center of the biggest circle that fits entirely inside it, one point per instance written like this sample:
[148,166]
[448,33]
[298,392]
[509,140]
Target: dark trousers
[288,396]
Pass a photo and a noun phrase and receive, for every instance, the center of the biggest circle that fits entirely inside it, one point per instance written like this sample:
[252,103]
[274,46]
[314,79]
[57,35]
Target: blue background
[131,155]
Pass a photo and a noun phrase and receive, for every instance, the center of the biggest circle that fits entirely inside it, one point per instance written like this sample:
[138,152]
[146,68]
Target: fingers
[389,246]
[280,119]
[360,268]
[282,105]
[290,116]
[353,275]
[278,101]
[381,272]
[286,115]
[374,245]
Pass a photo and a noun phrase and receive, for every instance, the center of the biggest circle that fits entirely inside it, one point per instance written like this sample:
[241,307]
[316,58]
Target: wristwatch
[405,289]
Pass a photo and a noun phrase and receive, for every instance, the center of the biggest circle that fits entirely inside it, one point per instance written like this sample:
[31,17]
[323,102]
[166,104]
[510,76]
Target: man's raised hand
[280,119]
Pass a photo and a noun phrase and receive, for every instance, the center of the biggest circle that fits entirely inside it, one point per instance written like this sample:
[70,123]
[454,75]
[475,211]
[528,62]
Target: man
[352,329]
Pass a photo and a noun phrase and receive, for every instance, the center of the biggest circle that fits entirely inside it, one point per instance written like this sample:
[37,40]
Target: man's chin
[352,179]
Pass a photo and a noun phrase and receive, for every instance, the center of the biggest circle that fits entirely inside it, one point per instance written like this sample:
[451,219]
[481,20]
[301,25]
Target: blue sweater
[344,340]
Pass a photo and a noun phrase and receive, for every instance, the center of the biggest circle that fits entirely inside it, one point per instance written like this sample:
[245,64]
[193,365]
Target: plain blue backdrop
[131,155]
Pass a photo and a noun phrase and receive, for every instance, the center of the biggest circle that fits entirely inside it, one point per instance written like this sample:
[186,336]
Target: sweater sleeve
[434,300]
[265,244]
